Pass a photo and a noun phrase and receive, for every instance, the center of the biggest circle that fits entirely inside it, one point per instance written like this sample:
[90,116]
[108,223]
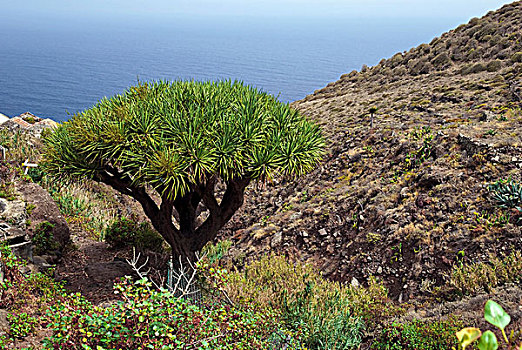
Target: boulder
[108,272]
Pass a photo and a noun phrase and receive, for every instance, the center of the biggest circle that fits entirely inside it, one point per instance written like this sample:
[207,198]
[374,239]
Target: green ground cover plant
[507,193]
[150,319]
[19,146]
[142,318]
[79,203]
[495,315]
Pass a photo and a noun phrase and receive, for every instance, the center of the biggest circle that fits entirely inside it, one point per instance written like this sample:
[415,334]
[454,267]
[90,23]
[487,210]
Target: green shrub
[36,174]
[125,232]
[473,68]
[326,324]
[419,66]
[151,319]
[397,59]
[419,335]
[7,191]
[441,60]
[29,208]
[30,120]
[143,318]
[43,238]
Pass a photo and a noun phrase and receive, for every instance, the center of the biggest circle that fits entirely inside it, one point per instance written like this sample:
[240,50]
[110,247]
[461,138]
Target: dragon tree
[180,139]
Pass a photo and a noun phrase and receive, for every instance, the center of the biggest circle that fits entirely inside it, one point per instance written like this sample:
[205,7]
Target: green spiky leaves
[175,136]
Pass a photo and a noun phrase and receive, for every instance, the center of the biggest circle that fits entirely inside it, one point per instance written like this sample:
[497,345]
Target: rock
[323,232]
[276,239]
[296,216]
[4,324]
[45,209]
[51,259]
[486,116]
[14,212]
[259,232]
[108,271]
[471,146]
[41,262]
[379,270]
[355,282]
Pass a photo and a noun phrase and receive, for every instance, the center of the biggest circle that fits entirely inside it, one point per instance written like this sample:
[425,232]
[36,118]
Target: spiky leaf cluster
[176,135]
[507,193]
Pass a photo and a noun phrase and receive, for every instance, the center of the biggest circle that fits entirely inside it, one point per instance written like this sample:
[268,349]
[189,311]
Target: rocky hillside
[414,143]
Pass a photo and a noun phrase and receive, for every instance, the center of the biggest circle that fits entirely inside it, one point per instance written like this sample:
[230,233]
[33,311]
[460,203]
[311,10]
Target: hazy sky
[459,10]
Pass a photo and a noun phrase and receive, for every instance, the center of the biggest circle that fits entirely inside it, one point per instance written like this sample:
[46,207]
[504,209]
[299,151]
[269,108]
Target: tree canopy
[180,138]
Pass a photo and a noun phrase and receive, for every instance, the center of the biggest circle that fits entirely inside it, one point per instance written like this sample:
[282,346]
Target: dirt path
[91,267]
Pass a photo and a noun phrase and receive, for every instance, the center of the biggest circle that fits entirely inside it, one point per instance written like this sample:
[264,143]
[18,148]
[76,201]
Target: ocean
[57,68]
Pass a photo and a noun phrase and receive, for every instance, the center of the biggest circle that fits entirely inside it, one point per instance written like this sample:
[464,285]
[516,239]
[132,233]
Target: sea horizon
[55,70]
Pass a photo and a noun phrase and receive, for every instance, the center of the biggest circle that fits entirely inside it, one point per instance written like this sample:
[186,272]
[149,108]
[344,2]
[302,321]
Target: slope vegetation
[414,143]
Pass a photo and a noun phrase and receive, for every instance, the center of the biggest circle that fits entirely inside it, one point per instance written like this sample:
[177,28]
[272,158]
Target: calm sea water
[59,68]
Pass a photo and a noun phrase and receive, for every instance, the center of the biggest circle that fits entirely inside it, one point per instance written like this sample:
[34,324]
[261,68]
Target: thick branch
[220,215]
[161,218]
[206,193]
[115,182]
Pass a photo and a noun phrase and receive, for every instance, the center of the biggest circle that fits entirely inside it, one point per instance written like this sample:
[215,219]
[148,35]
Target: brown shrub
[441,61]
[473,68]
[516,57]
[494,65]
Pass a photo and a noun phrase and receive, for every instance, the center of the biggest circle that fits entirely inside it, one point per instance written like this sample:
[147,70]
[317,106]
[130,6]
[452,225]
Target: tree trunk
[187,240]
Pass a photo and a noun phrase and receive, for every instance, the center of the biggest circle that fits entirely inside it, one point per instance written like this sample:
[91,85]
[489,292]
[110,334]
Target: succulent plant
[507,193]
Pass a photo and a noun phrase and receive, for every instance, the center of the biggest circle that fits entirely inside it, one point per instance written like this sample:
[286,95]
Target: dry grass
[86,205]
[272,278]
[19,146]
[471,278]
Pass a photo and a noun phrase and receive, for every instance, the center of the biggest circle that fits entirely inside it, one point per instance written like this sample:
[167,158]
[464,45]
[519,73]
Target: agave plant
[181,139]
[507,193]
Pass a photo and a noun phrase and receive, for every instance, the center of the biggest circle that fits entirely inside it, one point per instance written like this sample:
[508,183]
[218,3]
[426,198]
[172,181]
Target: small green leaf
[495,314]
[488,341]
[468,335]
